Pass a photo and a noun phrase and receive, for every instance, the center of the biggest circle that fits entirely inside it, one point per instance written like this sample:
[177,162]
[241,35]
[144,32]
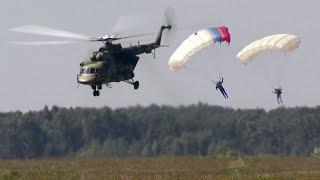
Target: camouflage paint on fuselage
[112,63]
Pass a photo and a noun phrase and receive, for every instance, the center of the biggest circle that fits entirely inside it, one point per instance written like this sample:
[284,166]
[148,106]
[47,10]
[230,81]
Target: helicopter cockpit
[86,70]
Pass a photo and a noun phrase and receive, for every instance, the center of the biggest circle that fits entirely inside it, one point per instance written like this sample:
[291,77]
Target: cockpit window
[90,70]
[81,70]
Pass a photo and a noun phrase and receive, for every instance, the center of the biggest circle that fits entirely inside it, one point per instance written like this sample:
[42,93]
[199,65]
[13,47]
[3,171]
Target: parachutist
[220,87]
[278,92]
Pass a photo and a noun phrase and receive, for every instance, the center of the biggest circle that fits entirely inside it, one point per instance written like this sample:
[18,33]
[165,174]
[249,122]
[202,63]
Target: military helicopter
[114,63]
[111,63]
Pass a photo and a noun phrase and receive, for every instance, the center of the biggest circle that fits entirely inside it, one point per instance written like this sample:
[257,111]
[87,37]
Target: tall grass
[193,167]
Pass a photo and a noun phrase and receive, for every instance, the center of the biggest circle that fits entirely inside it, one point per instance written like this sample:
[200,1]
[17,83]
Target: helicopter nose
[86,79]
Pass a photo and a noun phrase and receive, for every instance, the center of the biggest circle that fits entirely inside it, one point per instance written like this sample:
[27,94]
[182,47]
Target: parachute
[196,42]
[281,42]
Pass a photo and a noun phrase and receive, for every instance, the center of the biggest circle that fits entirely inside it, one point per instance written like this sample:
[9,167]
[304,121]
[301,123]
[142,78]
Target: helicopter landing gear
[96,93]
[134,83]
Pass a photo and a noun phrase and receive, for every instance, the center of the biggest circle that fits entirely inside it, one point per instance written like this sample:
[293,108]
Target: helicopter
[114,63]
[111,63]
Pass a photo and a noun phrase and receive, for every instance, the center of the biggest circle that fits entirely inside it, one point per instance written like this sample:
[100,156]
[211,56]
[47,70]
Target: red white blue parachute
[196,42]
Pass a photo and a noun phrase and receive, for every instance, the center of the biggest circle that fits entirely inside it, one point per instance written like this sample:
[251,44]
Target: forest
[198,129]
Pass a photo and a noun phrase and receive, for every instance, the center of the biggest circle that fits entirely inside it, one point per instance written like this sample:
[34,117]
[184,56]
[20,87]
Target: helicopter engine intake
[100,56]
[93,56]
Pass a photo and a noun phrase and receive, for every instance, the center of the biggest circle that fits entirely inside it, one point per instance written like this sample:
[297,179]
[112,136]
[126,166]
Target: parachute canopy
[281,42]
[195,43]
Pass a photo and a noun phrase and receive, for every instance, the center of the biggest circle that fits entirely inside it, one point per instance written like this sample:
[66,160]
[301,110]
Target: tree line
[154,130]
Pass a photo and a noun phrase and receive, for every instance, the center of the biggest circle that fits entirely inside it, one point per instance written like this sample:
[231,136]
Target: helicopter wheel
[136,85]
[96,93]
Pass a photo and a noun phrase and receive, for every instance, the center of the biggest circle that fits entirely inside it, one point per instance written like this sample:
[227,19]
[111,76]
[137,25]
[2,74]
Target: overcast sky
[32,77]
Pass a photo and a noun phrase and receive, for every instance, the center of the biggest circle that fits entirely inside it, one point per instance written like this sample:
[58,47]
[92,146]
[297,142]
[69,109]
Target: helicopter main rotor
[121,25]
[76,37]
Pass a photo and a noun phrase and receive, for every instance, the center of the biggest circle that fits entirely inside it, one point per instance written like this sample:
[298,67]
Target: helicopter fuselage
[112,69]
[113,63]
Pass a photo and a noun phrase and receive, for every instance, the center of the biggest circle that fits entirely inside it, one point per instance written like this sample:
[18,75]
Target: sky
[34,76]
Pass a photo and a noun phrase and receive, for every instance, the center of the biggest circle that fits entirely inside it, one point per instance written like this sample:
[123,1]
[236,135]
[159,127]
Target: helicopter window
[87,70]
[81,70]
[91,71]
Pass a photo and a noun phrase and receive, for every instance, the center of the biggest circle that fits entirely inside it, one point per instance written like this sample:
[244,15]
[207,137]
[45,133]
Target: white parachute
[281,42]
[195,43]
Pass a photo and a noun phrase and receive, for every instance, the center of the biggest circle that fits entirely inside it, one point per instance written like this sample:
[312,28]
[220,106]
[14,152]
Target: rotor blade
[126,22]
[39,43]
[136,35]
[46,31]
[115,38]
[170,18]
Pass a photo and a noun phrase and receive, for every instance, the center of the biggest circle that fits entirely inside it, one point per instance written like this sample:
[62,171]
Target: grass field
[194,167]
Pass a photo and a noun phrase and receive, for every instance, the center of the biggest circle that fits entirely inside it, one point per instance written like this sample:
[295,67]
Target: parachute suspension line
[283,66]
[215,70]
[218,65]
[203,75]
[266,71]
[196,42]
[279,84]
